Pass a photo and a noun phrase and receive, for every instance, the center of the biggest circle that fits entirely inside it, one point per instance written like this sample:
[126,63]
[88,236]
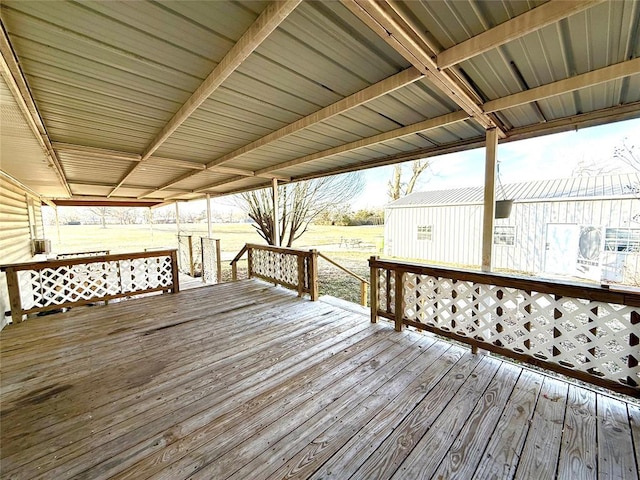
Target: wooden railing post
[399,307]
[218,262]
[175,278]
[14,295]
[313,276]
[363,294]
[373,292]
[301,277]
[234,271]
[192,267]
[203,274]
[249,262]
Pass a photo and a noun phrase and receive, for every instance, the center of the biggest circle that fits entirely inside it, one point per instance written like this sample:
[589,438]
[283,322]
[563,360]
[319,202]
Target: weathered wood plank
[500,458]
[369,436]
[540,453]
[221,447]
[579,449]
[234,382]
[424,459]
[384,384]
[634,421]
[465,453]
[363,401]
[166,385]
[615,445]
[399,443]
[244,380]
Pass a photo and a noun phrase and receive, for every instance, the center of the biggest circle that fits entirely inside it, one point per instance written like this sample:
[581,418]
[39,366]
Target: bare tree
[625,155]
[628,154]
[102,213]
[299,203]
[398,188]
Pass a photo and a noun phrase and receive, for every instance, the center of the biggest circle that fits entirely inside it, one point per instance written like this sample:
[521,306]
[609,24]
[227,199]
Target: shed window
[424,232]
[504,235]
[622,240]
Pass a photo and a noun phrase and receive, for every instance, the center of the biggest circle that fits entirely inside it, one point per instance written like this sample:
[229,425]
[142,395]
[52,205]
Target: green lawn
[349,246]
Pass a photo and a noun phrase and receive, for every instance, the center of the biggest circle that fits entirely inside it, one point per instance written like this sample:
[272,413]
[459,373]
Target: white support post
[209,229]
[489,198]
[57,224]
[151,224]
[177,219]
[276,213]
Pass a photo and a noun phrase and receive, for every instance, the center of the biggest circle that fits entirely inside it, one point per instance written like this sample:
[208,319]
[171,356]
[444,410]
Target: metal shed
[585,227]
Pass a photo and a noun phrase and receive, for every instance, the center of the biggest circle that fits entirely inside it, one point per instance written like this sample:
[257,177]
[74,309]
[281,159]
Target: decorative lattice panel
[277,266]
[189,250]
[386,290]
[209,260]
[72,283]
[596,338]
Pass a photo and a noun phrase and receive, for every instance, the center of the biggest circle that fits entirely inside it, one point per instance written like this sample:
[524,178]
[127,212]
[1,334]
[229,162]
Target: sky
[550,156]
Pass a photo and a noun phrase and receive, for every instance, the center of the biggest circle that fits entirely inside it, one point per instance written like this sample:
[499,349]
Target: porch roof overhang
[127,102]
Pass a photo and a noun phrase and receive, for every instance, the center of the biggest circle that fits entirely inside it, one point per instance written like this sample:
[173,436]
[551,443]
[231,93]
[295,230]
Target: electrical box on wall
[41,245]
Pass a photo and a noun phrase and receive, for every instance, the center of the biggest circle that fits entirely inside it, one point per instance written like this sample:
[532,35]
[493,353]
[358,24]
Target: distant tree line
[346,217]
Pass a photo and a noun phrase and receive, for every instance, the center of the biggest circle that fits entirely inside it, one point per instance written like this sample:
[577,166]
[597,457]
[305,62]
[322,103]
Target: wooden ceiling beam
[383,87]
[84,183]
[94,152]
[599,117]
[419,127]
[13,76]
[385,19]
[535,19]
[584,80]
[272,16]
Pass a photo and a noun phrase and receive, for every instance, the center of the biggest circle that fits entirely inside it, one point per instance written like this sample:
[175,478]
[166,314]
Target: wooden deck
[246,381]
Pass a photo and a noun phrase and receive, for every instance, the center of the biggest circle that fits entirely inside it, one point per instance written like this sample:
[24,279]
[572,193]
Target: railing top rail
[601,293]
[293,251]
[271,248]
[242,251]
[39,265]
[82,254]
[344,269]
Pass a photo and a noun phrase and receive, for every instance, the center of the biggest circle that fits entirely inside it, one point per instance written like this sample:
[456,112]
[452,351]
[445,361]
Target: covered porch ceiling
[152,102]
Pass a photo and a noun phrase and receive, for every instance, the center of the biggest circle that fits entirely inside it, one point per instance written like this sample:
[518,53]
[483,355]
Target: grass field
[349,246]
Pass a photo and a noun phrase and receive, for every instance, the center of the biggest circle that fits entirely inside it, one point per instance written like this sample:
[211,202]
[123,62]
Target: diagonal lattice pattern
[209,260]
[593,337]
[276,266]
[65,284]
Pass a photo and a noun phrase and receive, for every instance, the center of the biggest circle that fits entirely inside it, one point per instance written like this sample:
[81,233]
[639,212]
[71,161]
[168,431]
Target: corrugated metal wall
[457,230]
[456,233]
[16,209]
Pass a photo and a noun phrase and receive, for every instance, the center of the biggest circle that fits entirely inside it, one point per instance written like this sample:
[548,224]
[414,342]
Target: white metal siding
[15,232]
[457,230]
[456,233]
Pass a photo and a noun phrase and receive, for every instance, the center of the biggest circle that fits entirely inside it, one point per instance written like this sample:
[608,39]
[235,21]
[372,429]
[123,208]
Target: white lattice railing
[41,286]
[188,254]
[588,332]
[289,267]
[211,261]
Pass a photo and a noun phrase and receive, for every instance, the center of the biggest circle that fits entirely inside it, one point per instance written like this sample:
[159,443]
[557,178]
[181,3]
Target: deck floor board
[247,381]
